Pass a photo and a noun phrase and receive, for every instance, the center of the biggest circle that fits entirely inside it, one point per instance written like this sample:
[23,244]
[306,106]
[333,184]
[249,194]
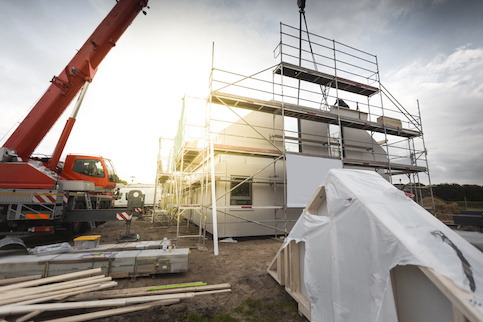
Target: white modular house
[268,140]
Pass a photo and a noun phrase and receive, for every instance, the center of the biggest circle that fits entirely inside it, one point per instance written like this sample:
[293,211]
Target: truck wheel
[76,228]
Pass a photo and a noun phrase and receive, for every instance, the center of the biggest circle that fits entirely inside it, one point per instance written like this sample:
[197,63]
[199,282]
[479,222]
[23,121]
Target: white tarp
[368,228]
[304,175]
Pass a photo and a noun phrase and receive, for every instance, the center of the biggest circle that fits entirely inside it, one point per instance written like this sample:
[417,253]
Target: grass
[250,311]
[219,317]
[470,205]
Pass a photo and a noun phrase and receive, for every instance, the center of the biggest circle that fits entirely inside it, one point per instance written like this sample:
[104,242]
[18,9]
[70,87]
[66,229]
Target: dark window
[241,195]
[110,170]
[88,167]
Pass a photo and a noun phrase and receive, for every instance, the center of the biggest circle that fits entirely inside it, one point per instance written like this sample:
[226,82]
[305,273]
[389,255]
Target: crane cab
[90,168]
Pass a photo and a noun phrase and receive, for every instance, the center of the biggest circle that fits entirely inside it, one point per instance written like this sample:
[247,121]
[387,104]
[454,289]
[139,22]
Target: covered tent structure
[363,251]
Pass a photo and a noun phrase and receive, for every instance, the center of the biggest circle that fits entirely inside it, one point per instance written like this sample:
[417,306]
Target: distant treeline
[456,192]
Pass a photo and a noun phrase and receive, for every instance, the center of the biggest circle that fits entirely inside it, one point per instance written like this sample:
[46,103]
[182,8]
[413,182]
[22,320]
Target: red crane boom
[65,87]
[37,196]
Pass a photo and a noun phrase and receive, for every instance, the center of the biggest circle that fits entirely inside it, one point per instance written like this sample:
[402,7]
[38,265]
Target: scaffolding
[323,99]
[162,208]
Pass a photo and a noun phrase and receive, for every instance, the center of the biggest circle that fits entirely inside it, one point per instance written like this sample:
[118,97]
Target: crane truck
[43,195]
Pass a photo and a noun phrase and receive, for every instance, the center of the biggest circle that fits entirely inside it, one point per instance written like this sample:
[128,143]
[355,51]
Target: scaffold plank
[316,77]
[306,113]
[385,165]
[245,150]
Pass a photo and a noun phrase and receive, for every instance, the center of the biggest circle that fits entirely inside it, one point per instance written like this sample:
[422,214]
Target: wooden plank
[15,280]
[18,309]
[165,287]
[62,297]
[41,297]
[113,312]
[317,199]
[458,316]
[142,291]
[295,267]
[297,280]
[281,266]
[53,287]
[28,316]
[286,267]
[274,268]
[303,304]
[52,279]
[69,292]
[54,291]
[36,294]
[212,292]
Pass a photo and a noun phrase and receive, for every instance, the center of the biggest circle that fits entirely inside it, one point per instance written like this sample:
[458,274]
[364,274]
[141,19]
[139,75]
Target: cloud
[449,88]
[167,53]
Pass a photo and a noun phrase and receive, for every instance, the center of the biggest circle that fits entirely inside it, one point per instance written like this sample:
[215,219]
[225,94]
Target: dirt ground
[255,295]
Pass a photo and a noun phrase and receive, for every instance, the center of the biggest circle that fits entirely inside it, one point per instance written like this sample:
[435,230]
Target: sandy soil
[242,264]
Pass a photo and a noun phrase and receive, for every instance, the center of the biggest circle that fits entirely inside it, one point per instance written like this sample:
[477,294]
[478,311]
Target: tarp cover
[369,227]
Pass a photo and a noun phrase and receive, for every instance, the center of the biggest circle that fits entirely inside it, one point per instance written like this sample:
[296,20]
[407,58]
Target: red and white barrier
[123,216]
[43,198]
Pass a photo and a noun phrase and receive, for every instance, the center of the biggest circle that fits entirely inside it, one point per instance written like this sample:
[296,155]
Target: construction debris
[153,290]
[112,312]
[75,291]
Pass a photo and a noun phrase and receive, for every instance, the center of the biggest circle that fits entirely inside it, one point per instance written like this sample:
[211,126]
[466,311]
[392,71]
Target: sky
[431,51]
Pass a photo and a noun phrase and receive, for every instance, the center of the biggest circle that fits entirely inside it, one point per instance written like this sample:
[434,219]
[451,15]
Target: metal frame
[301,88]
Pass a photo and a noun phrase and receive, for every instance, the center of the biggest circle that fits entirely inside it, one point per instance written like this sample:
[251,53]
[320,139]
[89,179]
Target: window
[89,167]
[335,140]
[242,194]
[110,170]
[292,129]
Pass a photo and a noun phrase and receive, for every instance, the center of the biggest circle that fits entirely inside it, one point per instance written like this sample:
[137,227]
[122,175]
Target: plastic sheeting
[365,228]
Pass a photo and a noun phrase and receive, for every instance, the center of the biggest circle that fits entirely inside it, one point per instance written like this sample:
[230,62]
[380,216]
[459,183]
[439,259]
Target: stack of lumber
[139,245]
[24,298]
[118,264]
[197,288]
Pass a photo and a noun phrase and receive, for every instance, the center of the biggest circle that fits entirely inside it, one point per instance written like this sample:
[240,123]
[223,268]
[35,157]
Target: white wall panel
[304,176]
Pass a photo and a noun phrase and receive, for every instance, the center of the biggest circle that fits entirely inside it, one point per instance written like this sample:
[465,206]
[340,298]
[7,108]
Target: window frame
[237,200]
[83,163]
